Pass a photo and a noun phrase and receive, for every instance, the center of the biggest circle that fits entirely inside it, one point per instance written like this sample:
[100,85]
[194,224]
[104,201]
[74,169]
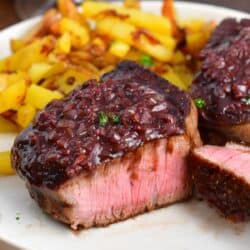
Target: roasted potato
[119,49]
[39,97]
[151,22]
[5,164]
[12,96]
[129,34]
[7,126]
[25,115]
[70,46]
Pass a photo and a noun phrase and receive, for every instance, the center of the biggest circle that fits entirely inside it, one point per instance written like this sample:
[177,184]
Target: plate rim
[179,4]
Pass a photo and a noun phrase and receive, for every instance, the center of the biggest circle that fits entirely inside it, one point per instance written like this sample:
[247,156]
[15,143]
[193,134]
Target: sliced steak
[109,151]
[224,80]
[222,177]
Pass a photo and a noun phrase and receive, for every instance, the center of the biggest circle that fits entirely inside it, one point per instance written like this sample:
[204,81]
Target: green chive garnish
[103,119]
[146,61]
[200,103]
[115,119]
[246,100]
[17,216]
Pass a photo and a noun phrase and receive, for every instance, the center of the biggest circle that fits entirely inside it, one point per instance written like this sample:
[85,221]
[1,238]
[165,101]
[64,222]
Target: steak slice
[109,151]
[224,80]
[222,177]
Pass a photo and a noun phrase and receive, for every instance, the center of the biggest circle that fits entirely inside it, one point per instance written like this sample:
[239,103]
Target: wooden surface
[8,15]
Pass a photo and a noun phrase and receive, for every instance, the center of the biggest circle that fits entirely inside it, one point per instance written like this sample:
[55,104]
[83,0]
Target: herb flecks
[199,103]
[17,216]
[116,119]
[146,61]
[246,100]
[103,119]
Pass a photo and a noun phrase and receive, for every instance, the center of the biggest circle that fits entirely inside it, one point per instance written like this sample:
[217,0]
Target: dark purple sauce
[66,138]
[224,79]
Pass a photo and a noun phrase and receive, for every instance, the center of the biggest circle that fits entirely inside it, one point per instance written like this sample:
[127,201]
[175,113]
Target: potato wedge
[179,75]
[25,115]
[39,97]
[167,41]
[7,127]
[119,49]
[64,43]
[179,57]
[5,164]
[44,71]
[28,55]
[8,79]
[79,34]
[71,79]
[195,42]
[38,70]
[155,23]
[3,82]
[172,77]
[16,44]
[11,97]
[126,32]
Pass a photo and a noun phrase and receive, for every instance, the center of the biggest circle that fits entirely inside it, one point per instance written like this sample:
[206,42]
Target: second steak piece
[222,177]
[222,87]
[109,150]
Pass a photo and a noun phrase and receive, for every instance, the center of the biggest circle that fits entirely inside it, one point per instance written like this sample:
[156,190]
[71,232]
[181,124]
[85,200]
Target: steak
[224,81]
[109,150]
[222,177]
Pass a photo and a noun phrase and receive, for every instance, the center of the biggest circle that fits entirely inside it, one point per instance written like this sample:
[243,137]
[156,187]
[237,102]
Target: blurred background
[12,11]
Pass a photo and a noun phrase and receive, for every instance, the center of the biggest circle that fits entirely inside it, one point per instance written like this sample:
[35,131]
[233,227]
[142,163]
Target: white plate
[185,226]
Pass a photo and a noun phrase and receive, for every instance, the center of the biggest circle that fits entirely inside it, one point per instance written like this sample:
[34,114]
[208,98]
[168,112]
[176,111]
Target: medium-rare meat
[222,87]
[222,177]
[109,150]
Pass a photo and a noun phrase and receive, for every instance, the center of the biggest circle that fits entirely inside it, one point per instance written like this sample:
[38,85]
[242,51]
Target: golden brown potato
[129,34]
[5,164]
[16,44]
[13,96]
[7,126]
[151,22]
[70,46]
[25,115]
[119,49]
[79,34]
[39,97]
[35,52]
[64,43]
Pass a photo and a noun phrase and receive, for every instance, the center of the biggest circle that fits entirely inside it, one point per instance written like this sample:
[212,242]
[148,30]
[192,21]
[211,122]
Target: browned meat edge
[221,189]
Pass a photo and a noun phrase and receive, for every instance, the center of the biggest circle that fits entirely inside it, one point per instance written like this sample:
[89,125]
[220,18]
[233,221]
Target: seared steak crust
[224,79]
[130,71]
[67,138]
[225,189]
[230,195]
